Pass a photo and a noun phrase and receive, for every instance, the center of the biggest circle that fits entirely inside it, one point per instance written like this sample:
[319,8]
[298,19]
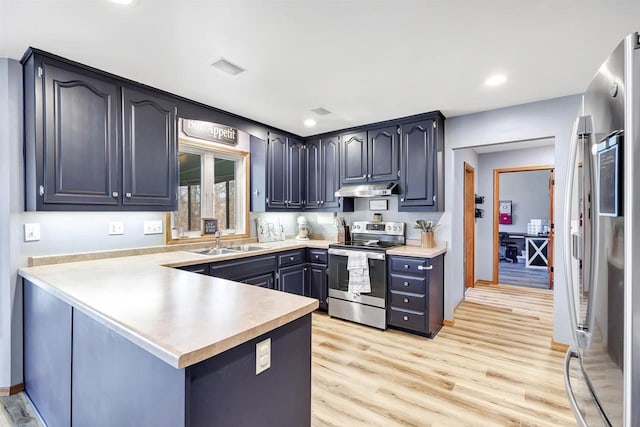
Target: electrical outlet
[32,232]
[116,228]
[153,227]
[263,355]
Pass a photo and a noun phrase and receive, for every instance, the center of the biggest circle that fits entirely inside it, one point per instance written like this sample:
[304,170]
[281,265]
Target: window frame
[198,146]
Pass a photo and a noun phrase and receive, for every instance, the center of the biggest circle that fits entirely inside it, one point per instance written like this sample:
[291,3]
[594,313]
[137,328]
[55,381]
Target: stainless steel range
[373,238]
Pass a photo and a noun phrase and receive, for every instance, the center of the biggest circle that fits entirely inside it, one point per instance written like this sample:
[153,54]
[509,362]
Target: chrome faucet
[218,235]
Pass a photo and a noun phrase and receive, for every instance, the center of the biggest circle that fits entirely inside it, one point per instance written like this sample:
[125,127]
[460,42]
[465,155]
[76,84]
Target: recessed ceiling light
[125,2]
[496,80]
[228,67]
[309,123]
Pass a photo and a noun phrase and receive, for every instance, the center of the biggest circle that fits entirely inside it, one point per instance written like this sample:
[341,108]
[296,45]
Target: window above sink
[213,183]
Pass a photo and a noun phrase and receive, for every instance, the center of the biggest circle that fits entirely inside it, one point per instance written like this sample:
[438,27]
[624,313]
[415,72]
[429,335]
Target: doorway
[523,226]
[469,226]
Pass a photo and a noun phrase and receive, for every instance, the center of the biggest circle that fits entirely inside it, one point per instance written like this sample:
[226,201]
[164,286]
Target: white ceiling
[364,60]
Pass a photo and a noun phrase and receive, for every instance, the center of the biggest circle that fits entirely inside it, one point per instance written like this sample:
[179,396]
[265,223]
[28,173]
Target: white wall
[540,156]
[529,195]
[545,119]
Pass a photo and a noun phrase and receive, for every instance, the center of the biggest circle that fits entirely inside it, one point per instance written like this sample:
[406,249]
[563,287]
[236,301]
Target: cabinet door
[318,287]
[258,152]
[330,167]
[264,280]
[150,150]
[278,176]
[354,158]
[383,150]
[295,163]
[418,165]
[292,280]
[80,139]
[313,174]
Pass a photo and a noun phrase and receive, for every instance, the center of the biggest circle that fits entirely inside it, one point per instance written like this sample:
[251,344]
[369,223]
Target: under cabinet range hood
[367,190]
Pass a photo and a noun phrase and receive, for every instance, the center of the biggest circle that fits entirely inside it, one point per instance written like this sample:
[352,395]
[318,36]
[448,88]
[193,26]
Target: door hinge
[552,225]
[398,131]
[434,198]
[40,71]
[277,276]
[175,110]
[552,269]
[398,173]
[435,125]
[42,190]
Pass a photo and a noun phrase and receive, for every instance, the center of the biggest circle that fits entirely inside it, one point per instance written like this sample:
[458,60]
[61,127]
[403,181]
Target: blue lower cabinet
[416,294]
[292,279]
[317,283]
[264,280]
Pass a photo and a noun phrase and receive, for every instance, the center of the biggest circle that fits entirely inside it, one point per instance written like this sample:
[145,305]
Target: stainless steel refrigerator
[602,245]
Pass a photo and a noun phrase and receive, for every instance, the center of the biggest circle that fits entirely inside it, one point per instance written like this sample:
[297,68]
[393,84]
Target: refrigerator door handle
[568,193]
[567,385]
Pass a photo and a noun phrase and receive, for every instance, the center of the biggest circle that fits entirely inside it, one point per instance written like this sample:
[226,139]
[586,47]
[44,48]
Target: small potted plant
[426,232]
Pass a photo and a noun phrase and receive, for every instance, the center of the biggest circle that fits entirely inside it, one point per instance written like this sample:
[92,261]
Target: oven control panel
[378,227]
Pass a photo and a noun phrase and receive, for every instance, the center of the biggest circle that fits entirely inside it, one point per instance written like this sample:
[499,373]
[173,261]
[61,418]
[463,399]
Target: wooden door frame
[469,238]
[496,209]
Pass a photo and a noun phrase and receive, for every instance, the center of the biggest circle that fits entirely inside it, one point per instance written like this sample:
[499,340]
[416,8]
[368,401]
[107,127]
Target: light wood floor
[493,367]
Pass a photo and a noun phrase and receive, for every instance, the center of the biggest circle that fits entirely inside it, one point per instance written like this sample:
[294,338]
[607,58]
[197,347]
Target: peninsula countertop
[178,316]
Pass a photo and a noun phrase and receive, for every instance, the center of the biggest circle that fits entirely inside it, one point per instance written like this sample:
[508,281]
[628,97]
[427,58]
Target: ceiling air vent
[321,111]
[228,67]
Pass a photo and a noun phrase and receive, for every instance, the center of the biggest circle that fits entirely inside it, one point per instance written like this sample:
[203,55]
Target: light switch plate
[153,227]
[263,355]
[32,232]
[116,228]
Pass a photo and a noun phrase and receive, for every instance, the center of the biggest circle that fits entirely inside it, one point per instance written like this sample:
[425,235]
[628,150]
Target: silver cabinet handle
[114,194]
[421,267]
[406,267]
[256,193]
[291,258]
[364,176]
[402,199]
[369,176]
[406,318]
[406,283]
[317,256]
[128,195]
[406,300]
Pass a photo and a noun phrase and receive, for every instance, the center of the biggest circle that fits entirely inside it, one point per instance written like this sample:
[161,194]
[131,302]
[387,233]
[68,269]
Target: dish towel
[358,268]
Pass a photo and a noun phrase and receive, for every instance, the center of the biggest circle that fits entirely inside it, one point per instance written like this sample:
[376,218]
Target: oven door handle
[344,252]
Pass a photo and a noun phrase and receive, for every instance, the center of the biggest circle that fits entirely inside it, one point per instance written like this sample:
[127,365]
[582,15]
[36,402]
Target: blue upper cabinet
[150,151]
[383,151]
[354,158]
[295,173]
[94,142]
[314,176]
[323,175]
[370,156]
[285,166]
[421,166]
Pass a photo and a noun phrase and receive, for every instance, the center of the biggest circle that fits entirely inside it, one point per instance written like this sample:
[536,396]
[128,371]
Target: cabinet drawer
[291,258]
[407,301]
[317,256]
[410,265]
[408,319]
[416,285]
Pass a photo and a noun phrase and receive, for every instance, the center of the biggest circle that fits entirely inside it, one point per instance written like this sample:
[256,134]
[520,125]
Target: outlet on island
[263,355]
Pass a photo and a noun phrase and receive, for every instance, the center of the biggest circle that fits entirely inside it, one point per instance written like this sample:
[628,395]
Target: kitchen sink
[214,251]
[246,248]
